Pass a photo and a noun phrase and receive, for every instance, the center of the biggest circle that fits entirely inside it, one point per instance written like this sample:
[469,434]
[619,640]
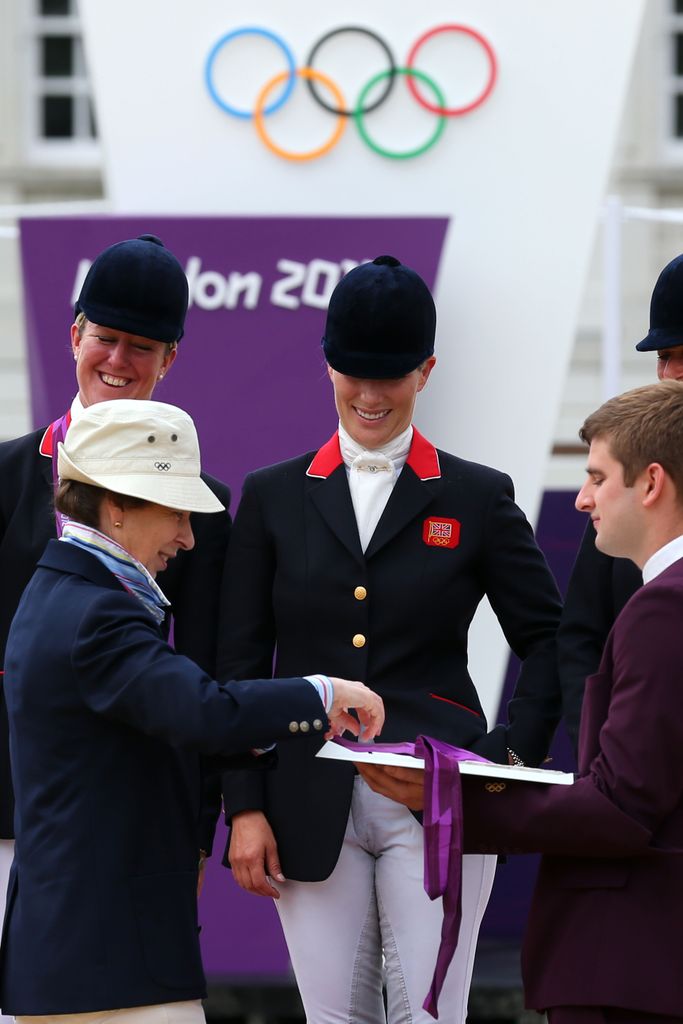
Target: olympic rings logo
[367,101]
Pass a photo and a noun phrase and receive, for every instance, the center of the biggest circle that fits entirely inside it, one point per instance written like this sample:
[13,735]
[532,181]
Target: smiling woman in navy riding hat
[130,316]
[374,552]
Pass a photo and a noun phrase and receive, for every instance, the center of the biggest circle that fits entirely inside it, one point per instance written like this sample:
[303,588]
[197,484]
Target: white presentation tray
[366,754]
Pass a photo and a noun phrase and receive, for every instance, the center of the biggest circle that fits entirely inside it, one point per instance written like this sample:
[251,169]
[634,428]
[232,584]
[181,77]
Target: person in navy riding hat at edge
[130,316]
[107,723]
[372,554]
[600,585]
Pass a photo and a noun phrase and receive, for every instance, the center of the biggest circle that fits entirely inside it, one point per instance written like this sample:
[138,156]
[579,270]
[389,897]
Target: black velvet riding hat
[381,321]
[666,310]
[137,286]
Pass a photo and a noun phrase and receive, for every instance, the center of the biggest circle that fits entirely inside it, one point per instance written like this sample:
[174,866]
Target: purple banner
[250,371]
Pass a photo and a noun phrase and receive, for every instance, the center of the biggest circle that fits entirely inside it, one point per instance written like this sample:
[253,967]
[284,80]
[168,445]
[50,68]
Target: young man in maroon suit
[605,929]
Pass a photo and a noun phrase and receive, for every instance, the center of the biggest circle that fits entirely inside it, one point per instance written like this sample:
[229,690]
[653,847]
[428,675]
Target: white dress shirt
[372,475]
[662,559]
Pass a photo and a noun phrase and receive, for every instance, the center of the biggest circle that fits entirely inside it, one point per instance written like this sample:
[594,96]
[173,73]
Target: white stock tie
[370,481]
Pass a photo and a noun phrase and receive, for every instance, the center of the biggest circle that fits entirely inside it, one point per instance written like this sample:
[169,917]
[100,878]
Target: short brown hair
[642,426]
[82,502]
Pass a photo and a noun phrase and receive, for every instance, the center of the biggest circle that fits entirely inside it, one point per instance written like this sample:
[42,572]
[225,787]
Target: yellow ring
[313,154]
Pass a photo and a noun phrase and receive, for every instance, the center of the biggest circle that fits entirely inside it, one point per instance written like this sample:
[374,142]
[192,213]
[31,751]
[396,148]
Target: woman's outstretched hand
[368,706]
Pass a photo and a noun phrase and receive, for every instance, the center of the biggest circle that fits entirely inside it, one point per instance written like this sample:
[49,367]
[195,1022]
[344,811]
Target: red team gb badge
[441,533]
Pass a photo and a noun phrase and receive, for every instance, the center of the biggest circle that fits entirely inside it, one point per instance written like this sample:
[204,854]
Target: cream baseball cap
[142,449]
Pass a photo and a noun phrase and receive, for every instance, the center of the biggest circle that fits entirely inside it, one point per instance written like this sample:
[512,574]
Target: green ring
[358,114]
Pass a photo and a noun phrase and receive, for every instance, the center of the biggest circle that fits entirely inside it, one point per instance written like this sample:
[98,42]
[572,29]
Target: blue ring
[247,115]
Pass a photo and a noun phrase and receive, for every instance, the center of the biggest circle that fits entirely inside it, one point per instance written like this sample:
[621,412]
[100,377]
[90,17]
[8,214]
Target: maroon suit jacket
[606,922]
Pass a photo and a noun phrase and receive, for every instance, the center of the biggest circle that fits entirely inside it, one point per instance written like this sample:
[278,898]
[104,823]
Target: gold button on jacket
[304,726]
[359,640]
[293,726]
[360,593]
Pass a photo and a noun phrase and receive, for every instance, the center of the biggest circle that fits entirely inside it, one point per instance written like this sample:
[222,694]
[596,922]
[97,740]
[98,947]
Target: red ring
[478,100]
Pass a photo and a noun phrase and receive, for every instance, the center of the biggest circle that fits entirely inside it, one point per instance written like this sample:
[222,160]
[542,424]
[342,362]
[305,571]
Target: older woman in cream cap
[107,723]
[129,319]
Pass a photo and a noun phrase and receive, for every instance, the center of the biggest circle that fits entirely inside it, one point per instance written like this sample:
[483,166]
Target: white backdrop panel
[522,178]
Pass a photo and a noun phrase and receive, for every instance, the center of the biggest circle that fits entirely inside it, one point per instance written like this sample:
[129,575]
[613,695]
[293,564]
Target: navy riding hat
[666,310]
[381,321]
[137,286]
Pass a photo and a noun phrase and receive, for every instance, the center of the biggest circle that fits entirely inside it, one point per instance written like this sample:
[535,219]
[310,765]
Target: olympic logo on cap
[367,102]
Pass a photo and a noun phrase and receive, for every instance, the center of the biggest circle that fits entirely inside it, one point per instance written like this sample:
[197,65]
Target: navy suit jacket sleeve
[192,584]
[247,648]
[598,589]
[525,599]
[125,671]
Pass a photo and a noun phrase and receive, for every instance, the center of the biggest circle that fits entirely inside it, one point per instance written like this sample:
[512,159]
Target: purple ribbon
[443,830]
[58,432]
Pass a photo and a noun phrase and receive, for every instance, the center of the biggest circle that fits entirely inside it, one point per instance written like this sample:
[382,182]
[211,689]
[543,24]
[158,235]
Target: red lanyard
[58,433]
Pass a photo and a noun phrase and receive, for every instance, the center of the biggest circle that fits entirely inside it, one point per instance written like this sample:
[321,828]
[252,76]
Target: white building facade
[49,154]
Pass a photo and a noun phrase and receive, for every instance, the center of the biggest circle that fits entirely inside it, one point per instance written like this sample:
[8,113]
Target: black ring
[389,80]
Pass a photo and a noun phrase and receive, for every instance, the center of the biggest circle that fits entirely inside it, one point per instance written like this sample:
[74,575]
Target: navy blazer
[298,586]
[598,589]
[106,726]
[191,582]
[605,927]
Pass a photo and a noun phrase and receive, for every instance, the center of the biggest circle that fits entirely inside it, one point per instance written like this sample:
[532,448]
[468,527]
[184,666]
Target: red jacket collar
[45,447]
[326,459]
[423,458]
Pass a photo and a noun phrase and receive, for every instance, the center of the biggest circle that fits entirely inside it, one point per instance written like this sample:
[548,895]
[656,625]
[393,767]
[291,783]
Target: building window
[58,7]
[57,57]
[675,73]
[61,122]
[672,67]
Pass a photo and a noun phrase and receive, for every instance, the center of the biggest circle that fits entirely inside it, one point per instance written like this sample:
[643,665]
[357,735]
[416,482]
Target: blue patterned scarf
[129,572]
